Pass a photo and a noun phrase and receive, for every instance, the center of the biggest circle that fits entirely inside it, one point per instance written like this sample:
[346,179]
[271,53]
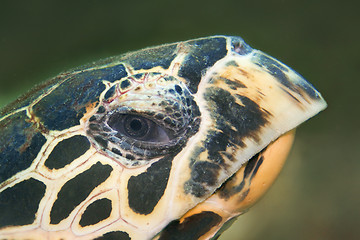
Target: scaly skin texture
[132,146]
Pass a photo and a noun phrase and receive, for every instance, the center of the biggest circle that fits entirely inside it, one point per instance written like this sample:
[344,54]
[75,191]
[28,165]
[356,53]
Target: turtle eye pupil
[136,126]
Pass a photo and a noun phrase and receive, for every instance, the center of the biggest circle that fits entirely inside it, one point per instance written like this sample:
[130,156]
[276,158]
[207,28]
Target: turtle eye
[137,127]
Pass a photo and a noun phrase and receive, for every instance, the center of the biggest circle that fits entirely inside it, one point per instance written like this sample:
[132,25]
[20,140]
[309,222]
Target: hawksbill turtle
[168,142]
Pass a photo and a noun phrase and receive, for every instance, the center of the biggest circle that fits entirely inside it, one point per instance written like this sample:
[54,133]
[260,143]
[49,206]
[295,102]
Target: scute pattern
[77,190]
[65,151]
[85,90]
[204,53]
[146,189]
[67,170]
[191,228]
[157,57]
[96,212]
[20,143]
[16,209]
[119,235]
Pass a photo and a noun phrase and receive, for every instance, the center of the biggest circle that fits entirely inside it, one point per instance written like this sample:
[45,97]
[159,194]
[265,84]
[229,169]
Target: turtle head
[175,139]
[187,116]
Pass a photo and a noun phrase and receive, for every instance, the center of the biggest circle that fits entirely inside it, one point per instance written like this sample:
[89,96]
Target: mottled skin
[170,142]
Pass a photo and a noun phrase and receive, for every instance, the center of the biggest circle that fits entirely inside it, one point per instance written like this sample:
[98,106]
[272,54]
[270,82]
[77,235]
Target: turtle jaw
[238,193]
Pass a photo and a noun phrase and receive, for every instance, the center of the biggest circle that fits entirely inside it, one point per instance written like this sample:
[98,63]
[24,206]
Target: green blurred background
[317,195]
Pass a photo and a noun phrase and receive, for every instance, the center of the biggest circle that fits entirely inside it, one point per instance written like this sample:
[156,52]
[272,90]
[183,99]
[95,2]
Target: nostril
[239,46]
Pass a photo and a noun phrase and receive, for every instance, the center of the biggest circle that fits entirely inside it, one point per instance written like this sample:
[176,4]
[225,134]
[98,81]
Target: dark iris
[137,127]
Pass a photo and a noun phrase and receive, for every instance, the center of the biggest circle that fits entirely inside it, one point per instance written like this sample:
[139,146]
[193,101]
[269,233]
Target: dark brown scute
[77,190]
[191,228]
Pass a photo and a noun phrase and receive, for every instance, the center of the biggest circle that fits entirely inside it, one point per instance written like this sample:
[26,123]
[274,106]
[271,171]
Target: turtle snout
[285,76]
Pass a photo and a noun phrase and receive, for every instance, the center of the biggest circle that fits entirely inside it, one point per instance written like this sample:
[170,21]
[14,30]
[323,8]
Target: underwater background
[317,195]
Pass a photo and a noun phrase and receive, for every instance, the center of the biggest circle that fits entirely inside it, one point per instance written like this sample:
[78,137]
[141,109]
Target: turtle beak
[250,99]
[285,76]
[261,72]
[289,81]
[260,83]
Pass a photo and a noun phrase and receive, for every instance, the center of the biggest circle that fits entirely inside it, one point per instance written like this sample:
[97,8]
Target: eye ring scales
[152,115]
